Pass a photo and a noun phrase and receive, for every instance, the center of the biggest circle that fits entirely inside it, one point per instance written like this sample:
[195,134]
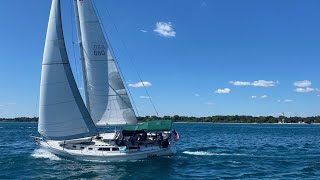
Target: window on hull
[104,149]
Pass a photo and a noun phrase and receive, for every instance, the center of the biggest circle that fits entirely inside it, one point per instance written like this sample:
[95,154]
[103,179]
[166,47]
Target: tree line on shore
[211,119]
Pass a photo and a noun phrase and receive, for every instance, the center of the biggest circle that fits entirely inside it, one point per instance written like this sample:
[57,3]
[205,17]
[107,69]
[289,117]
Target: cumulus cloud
[304,90]
[165,29]
[285,100]
[223,91]
[258,83]
[197,95]
[305,83]
[140,84]
[145,97]
[260,97]
[240,83]
[263,83]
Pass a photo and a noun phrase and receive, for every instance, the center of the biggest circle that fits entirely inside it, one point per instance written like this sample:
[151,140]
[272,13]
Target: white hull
[82,152]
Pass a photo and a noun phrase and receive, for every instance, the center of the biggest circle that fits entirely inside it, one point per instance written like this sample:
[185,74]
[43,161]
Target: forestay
[106,96]
[63,114]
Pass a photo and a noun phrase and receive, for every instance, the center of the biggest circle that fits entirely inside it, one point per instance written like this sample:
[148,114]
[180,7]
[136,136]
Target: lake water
[206,151]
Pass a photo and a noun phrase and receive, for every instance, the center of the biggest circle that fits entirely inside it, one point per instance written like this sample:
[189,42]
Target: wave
[95,161]
[41,153]
[204,153]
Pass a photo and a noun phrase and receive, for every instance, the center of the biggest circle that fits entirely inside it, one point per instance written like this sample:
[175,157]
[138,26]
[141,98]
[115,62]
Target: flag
[175,135]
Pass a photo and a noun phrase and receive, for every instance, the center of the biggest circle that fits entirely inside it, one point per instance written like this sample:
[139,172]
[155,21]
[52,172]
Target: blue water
[206,151]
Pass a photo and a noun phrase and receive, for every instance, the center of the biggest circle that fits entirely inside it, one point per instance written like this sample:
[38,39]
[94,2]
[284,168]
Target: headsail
[107,98]
[63,114]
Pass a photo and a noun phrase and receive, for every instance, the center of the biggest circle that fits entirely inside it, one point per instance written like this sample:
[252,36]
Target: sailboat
[69,127]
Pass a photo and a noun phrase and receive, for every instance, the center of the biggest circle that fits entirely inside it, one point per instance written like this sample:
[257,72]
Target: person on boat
[164,143]
[160,138]
[142,136]
[134,140]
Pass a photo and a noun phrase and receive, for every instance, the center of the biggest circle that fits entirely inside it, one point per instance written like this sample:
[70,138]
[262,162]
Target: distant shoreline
[190,123]
[217,119]
[240,123]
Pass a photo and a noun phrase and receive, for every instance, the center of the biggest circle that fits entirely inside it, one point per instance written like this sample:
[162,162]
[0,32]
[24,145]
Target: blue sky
[200,57]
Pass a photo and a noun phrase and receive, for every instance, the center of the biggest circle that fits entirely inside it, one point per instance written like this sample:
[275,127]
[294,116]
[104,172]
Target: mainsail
[106,96]
[63,114]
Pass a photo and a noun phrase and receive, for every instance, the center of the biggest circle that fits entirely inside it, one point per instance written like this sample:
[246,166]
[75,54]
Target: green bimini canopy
[154,125]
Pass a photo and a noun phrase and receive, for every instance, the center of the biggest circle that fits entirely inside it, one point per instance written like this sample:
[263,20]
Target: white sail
[119,109]
[107,99]
[63,114]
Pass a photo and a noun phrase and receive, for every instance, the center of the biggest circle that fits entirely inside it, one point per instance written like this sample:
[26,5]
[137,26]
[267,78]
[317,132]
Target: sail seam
[64,102]
[74,119]
[49,84]
[67,129]
[55,63]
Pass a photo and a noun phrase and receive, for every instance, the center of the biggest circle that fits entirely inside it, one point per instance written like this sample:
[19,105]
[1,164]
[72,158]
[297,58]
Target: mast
[62,113]
[84,73]
[107,98]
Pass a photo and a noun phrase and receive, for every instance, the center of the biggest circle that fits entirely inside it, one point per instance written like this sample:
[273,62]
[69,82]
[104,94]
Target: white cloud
[209,103]
[145,97]
[285,100]
[144,31]
[140,84]
[318,95]
[223,91]
[258,83]
[165,29]
[260,97]
[304,90]
[288,100]
[305,83]
[197,95]
[240,83]
[263,83]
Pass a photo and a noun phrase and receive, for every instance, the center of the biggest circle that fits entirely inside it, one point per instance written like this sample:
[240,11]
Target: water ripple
[205,151]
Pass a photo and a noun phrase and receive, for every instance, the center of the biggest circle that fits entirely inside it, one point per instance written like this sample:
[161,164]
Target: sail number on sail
[99,50]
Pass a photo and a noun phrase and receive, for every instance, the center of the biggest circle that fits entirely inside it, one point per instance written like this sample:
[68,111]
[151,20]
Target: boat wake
[41,153]
[204,153]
